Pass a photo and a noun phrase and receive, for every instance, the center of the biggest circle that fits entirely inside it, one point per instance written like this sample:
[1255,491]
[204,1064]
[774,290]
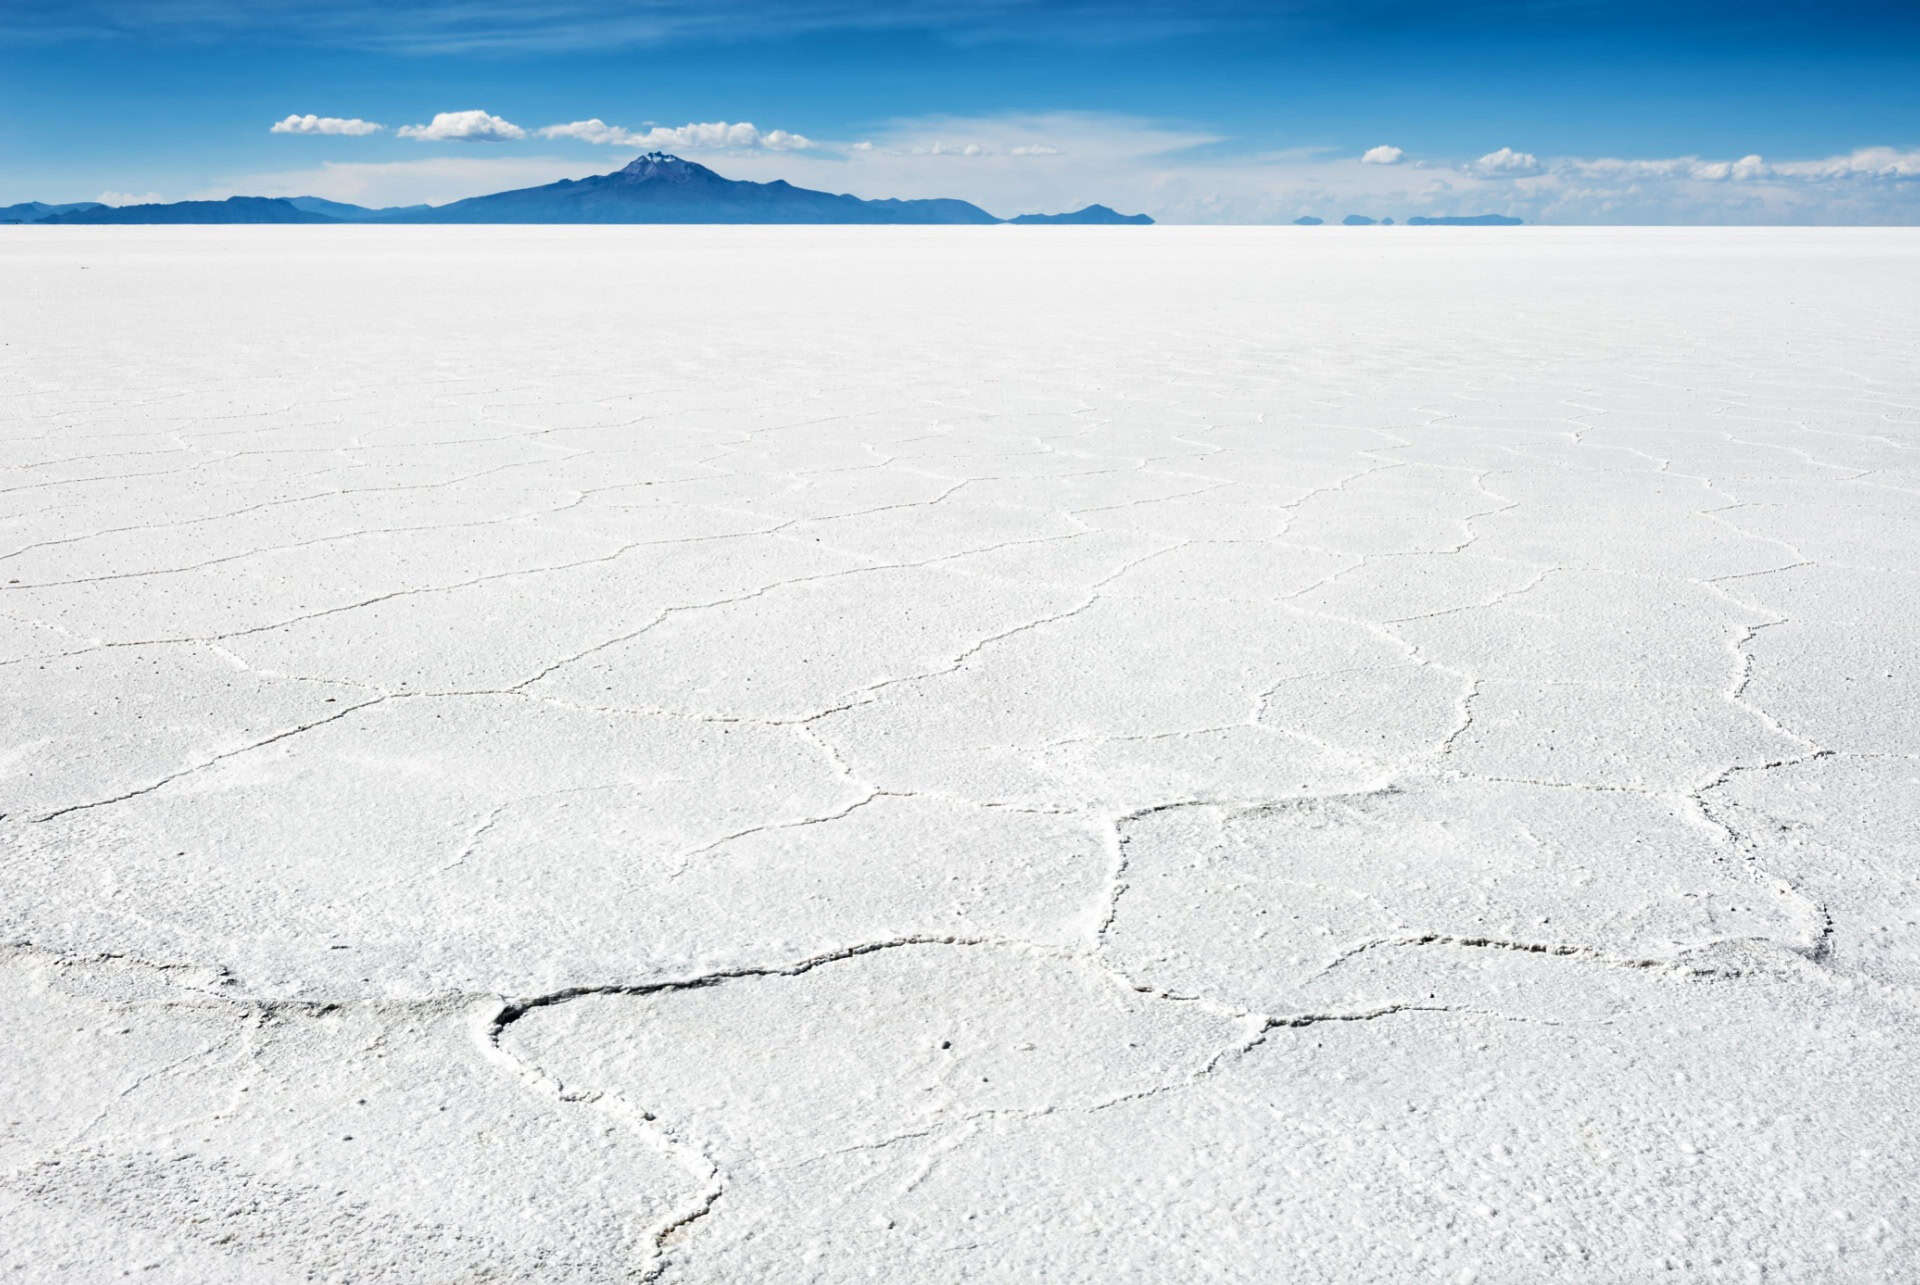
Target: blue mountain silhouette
[39,211]
[655,188]
[1091,214]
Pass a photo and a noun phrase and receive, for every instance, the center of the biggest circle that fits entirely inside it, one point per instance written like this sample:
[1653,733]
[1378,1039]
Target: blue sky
[1567,111]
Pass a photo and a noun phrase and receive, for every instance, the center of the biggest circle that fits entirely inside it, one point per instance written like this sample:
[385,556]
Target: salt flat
[960,754]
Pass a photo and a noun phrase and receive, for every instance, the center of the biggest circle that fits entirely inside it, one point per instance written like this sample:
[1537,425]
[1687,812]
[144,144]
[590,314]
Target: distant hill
[39,211]
[1466,221]
[1092,214]
[1422,221]
[655,188]
[659,188]
[348,213]
[235,209]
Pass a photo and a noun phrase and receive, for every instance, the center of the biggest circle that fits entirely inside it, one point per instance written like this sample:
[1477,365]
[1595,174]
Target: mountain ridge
[235,209]
[1088,216]
[655,187]
[37,211]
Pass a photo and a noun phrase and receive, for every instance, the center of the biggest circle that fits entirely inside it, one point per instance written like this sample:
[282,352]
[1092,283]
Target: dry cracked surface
[959,755]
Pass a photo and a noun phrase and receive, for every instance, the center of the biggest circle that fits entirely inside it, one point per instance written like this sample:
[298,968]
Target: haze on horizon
[1697,112]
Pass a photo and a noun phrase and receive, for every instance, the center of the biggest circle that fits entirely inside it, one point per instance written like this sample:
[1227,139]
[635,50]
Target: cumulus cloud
[1382,155]
[1747,167]
[1034,149]
[464,127]
[130,198]
[590,131]
[311,124]
[1507,163]
[691,137]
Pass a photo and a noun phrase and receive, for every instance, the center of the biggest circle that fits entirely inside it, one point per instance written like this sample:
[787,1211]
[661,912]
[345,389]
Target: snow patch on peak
[651,163]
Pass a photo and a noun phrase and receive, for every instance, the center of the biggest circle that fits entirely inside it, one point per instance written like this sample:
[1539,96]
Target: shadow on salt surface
[207,1137]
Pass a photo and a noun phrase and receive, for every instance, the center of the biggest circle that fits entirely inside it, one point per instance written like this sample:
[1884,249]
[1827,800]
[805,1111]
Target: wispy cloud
[441,27]
[1080,136]
[464,127]
[1010,164]
[1671,167]
[427,180]
[1867,185]
[1866,162]
[1382,155]
[311,124]
[690,137]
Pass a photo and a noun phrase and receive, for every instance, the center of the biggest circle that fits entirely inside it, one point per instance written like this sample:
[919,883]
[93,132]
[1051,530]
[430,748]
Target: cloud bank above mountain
[1015,162]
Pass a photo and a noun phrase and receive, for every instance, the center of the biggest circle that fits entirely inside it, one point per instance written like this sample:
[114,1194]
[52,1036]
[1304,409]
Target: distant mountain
[235,209]
[348,213]
[1093,214]
[658,188]
[1466,221]
[655,188]
[1423,221]
[37,211]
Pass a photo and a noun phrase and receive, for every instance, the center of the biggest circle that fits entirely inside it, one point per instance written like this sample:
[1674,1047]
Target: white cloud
[1382,155]
[1865,162]
[1747,167]
[691,137]
[1034,149]
[1871,185]
[130,198]
[1507,163]
[1671,167]
[311,124]
[590,131]
[464,127]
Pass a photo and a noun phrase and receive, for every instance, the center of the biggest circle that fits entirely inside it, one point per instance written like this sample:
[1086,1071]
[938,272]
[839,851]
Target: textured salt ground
[829,755]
